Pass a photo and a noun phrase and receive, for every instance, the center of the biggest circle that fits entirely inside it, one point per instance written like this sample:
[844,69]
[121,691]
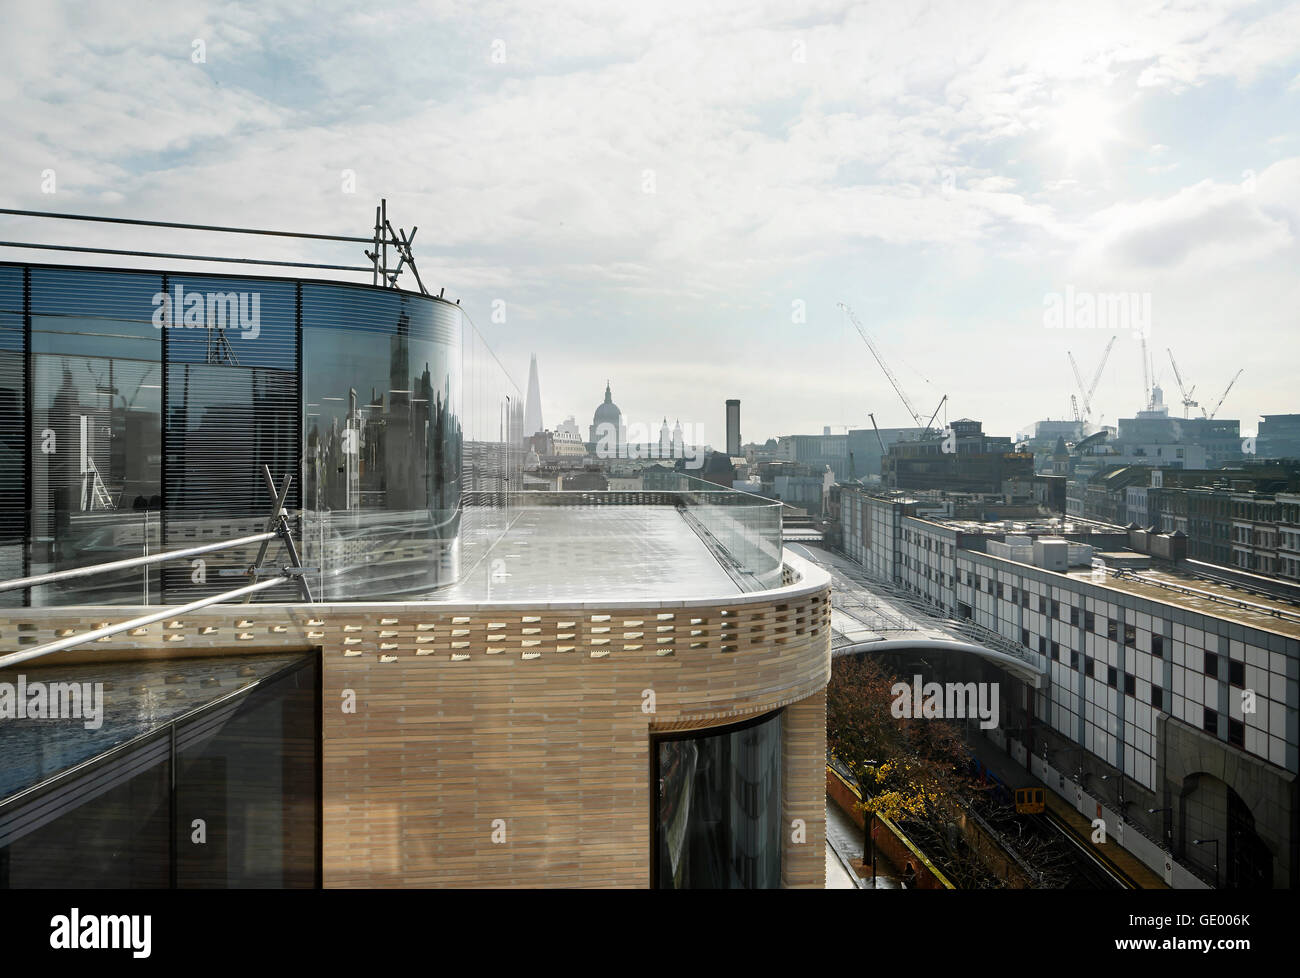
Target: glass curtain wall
[96,429]
[231,407]
[382,441]
[13,430]
[138,408]
[718,808]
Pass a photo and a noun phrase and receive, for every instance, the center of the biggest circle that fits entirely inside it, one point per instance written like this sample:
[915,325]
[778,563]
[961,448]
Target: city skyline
[671,195]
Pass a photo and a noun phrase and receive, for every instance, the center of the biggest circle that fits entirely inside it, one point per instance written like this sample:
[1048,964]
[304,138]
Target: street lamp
[1197,842]
[1119,792]
[867,825]
[1169,832]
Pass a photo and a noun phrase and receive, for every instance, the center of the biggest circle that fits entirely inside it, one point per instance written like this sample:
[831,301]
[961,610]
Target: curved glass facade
[137,409]
[382,440]
[718,808]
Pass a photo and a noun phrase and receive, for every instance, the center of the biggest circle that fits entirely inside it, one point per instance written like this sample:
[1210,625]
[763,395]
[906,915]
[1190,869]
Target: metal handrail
[13,658]
[277,527]
[130,562]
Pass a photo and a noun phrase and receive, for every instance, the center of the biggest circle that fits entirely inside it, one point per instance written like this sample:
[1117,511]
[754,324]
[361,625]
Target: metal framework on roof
[385,236]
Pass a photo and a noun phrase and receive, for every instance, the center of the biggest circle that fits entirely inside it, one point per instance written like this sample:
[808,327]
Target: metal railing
[277,528]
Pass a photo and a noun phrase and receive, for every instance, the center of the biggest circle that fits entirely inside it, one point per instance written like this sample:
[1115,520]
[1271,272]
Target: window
[1130,635]
[1024,599]
[1211,722]
[1056,651]
[1089,621]
[739,771]
[1237,733]
[1024,637]
[1130,684]
[1074,660]
[1211,664]
[1087,666]
[1237,674]
[1112,677]
[1157,697]
[1056,608]
[1074,616]
[1042,644]
[1112,629]
[1158,645]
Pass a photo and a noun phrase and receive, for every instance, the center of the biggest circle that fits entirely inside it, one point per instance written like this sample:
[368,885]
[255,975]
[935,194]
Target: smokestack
[733,427]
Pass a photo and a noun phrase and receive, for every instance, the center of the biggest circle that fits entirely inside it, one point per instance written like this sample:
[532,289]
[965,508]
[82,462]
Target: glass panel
[86,800]
[232,407]
[382,434]
[247,774]
[718,805]
[96,427]
[106,828]
[13,431]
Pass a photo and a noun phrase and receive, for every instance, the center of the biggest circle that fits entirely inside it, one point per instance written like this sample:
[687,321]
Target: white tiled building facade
[1114,659]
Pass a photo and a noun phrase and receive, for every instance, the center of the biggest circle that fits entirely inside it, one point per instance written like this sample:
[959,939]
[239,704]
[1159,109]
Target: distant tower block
[733,428]
[533,405]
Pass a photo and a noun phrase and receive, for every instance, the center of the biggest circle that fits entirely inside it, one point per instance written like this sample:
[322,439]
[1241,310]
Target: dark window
[1158,645]
[718,805]
[1157,697]
[1112,677]
[1211,724]
[1130,684]
[1074,616]
[1024,636]
[1042,605]
[1087,666]
[1089,621]
[1056,608]
[1024,599]
[1056,652]
[1074,660]
[1237,674]
[1236,733]
[1130,635]
[1042,644]
[1211,664]
[1112,629]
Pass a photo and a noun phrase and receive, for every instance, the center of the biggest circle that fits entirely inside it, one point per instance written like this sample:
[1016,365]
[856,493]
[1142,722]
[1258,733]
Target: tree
[910,770]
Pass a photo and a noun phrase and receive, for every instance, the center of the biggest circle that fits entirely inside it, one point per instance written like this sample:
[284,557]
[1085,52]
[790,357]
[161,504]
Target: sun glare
[1083,124]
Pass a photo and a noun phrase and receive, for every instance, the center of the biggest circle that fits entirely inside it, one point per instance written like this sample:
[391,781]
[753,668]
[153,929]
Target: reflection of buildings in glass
[362,385]
[718,808]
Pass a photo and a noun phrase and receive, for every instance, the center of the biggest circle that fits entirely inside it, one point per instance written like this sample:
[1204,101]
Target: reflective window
[382,440]
[96,428]
[227,747]
[718,808]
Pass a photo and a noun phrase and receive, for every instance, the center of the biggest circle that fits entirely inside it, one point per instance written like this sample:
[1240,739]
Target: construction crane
[1146,376]
[878,438]
[1085,393]
[1074,404]
[1182,390]
[1211,415]
[916,416]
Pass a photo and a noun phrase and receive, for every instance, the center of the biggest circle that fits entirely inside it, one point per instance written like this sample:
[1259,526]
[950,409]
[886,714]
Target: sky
[675,197]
